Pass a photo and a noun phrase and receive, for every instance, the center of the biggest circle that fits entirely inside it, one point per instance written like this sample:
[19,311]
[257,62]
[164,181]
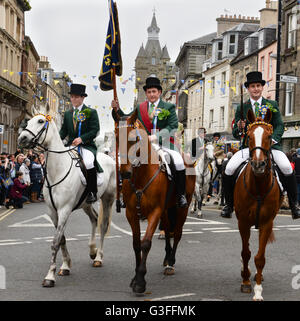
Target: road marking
[26,223]
[226,231]
[15,243]
[120,229]
[294,229]
[43,238]
[205,222]
[287,226]
[215,228]
[3,241]
[9,213]
[172,297]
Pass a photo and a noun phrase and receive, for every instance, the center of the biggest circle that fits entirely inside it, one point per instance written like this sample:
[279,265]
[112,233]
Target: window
[11,30]
[213,85]
[153,61]
[292,27]
[237,83]
[270,66]
[1,55]
[289,99]
[211,118]
[7,18]
[18,30]
[247,45]
[222,117]
[220,50]
[262,62]
[6,58]
[232,45]
[223,83]
[261,40]
[11,61]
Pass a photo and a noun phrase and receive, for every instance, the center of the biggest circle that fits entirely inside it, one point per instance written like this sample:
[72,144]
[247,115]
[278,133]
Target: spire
[165,54]
[142,52]
[153,30]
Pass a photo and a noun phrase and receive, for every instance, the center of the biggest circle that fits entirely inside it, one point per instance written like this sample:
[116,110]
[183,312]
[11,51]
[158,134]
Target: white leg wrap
[258,291]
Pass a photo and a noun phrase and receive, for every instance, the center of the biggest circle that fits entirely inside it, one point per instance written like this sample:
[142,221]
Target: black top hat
[152,82]
[254,77]
[77,89]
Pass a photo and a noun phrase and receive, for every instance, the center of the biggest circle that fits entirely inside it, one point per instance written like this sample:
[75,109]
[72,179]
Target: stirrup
[295,212]
[227,211]
[182,202]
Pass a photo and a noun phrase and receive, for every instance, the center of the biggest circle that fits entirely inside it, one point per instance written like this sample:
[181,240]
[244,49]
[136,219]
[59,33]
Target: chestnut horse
[257,198]
[148,194]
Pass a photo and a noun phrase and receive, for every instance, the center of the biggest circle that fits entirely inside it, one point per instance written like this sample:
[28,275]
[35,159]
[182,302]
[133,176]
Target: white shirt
[254,101]
[155,103]
[79,108]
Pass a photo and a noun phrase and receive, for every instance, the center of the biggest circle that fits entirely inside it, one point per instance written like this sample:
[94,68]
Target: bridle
[270,169]
[35,143]
[137,164]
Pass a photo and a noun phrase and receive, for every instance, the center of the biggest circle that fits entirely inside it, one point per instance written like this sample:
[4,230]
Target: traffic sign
[289,79]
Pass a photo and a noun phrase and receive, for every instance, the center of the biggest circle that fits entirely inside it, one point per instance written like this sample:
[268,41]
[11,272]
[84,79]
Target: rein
[35,144]
[259,199]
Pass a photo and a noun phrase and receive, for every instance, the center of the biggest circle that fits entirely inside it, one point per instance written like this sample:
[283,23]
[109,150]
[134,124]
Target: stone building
[151,60]
[289,94]
[13,93]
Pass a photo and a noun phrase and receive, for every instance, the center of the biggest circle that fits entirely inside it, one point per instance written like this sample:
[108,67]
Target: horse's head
[260,141]
[209,152]
[133,143]
[35,132]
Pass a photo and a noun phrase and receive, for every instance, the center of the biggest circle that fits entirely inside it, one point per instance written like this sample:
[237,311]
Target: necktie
[257,112]
[151,108]
[75,114]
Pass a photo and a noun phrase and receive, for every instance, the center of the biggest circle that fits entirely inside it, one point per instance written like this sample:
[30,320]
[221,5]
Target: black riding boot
[290,185]
[228,183]
[91,185]
[180,189]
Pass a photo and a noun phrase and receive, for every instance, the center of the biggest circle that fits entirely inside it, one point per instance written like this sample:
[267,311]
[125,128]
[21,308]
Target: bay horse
[203,177]
[63,190]
[257,198]
[145,191]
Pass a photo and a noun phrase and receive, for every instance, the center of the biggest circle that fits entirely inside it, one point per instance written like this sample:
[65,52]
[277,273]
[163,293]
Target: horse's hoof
[48,283]
[139,289]
[169,270]
[93,256]
[246,288]
[97,264]
[63,272]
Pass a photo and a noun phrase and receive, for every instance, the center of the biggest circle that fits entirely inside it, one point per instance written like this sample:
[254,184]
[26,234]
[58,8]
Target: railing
[13,89]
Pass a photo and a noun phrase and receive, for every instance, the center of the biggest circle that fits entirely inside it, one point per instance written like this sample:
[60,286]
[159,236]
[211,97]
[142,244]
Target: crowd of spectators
[21,178]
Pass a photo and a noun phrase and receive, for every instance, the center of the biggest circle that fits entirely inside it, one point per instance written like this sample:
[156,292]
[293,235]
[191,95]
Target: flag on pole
[112,52]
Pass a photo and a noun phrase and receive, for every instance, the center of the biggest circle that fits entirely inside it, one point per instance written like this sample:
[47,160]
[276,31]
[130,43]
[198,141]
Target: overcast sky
[71,33]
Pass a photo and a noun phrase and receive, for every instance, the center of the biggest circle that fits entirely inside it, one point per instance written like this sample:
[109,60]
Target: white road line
[120,229]
[14,243]
[294,229]
[226,231]
[172,297]
[43,238]
[5,241]
[215,228]
[287,226]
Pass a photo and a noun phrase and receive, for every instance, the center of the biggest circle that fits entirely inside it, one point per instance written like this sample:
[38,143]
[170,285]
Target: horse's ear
[132,119]
[268,116]
[251,116]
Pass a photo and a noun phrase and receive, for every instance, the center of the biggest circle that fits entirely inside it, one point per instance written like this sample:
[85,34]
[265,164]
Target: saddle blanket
[100,178]
[277,176]
[164,156]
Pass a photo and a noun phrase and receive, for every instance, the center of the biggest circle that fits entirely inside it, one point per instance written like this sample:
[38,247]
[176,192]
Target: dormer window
[229,45]
[247,47]
[217,51]
[261,39]
[232,45]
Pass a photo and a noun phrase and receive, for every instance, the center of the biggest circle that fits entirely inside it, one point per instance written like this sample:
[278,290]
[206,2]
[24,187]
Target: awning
[291,133]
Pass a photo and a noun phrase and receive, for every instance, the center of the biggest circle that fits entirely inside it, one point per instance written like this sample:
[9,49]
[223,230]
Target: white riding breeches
[88,158]
[178,161]
[242,155]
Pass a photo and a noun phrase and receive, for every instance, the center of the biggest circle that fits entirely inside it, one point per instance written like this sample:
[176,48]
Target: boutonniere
[264,108]
[163,114]
[84,115]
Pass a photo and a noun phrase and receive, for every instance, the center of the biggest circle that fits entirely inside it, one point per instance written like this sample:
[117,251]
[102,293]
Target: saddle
[83,170]
[242,167]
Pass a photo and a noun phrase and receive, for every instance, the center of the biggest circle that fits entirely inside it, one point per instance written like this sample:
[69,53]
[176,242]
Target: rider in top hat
[146,114]
[255,84]
[85,139]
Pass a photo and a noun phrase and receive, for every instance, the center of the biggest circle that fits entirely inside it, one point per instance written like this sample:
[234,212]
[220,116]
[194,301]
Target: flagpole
[118,203]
